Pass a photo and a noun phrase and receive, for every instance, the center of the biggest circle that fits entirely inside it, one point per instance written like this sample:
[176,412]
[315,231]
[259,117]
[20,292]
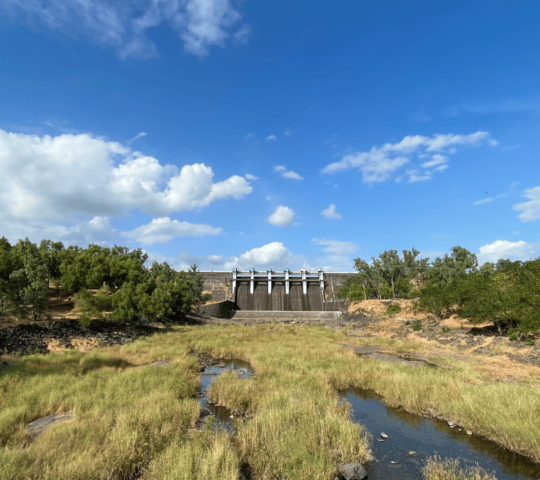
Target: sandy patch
[85,345]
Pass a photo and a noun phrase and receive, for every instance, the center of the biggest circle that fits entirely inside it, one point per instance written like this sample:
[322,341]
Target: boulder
[352,471]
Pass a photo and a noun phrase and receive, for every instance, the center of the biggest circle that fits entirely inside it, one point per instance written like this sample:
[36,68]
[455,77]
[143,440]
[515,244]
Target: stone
[352,471]
[383,435]
[160,363]
[412,453]
[380,440]
[469,432]
[37,427]
[221,365]
[451,424]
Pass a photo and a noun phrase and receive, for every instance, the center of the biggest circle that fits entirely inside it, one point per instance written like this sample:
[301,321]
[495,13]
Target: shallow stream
[221,414]
[408,432]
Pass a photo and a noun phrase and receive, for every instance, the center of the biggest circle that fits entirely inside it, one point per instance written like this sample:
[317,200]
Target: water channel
[221,415]
[406,432]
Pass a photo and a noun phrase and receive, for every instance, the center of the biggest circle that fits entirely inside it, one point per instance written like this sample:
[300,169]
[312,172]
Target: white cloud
[250,177]
[503,249]
[271,138]
[336,247]
[378,164]
[530,209]
[163,230]
[250,135]
[282,217]
[242,35]
[287,173]
[288,132]
[436,159]
[123,25]
[331,213]
[272,255]
[61,179]
[292,175]
[136,137]
[414,176]
[488,200]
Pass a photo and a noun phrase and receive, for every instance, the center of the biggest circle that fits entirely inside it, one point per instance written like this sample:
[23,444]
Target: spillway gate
[279,290]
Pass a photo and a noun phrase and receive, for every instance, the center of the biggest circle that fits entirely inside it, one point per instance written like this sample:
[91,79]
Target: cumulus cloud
[61,179]
[250,177]
[489,199]
[331,213]
[272,255]
[123,25]
[503,249]
[271,138]
[379,163]
[282,217]
[287,173]
[163,230]
[531,209]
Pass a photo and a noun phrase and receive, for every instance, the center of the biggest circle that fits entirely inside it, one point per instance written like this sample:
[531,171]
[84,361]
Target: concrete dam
[280,295]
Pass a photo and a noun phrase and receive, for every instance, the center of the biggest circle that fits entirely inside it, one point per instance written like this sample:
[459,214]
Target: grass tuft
[450,469]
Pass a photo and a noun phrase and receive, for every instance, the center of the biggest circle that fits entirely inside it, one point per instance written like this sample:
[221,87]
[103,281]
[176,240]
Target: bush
[354,291]
[417,326]
[386,291]
[206,297]
[393,309]
[403,287]
[414,293]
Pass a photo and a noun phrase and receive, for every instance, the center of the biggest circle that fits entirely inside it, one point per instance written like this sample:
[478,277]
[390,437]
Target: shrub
[393,309]
[206,297]
[403,287]
[417,326]
[386,291]
[414,292]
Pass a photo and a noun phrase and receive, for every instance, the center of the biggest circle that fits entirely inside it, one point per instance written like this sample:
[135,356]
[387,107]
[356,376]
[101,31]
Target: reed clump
[450,469]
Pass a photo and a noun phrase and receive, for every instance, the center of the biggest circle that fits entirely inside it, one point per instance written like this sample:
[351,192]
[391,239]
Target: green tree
[51,255]
[33,278]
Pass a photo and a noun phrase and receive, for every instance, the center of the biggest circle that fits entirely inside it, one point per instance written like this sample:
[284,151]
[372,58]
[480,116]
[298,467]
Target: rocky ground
[451,335]
[48,336]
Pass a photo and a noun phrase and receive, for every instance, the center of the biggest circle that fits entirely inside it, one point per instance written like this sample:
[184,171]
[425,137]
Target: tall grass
[131,419]
[450,469]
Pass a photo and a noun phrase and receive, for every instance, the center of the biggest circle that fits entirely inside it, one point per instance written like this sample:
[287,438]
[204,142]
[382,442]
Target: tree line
[506,293]
[123,282]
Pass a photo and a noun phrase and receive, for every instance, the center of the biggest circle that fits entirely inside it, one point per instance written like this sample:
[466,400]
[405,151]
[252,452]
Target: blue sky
[272,134]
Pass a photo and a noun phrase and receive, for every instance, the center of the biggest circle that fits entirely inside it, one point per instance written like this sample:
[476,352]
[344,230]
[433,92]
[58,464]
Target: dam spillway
[266,293]
[285,290]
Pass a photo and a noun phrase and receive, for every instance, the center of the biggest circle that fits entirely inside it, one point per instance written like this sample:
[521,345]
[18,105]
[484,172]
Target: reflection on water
[221,414]
[427,437]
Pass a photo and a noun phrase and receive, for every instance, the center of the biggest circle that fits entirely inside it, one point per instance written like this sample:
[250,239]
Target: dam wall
[235,288]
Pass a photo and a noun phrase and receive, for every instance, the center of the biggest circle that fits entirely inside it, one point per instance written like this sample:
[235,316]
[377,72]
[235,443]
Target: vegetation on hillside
[123,282]
[506,293]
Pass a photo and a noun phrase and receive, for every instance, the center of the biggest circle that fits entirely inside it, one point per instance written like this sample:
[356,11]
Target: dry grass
[142,419]
[448,469]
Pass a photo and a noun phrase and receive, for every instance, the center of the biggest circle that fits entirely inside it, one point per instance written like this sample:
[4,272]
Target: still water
[427,437]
